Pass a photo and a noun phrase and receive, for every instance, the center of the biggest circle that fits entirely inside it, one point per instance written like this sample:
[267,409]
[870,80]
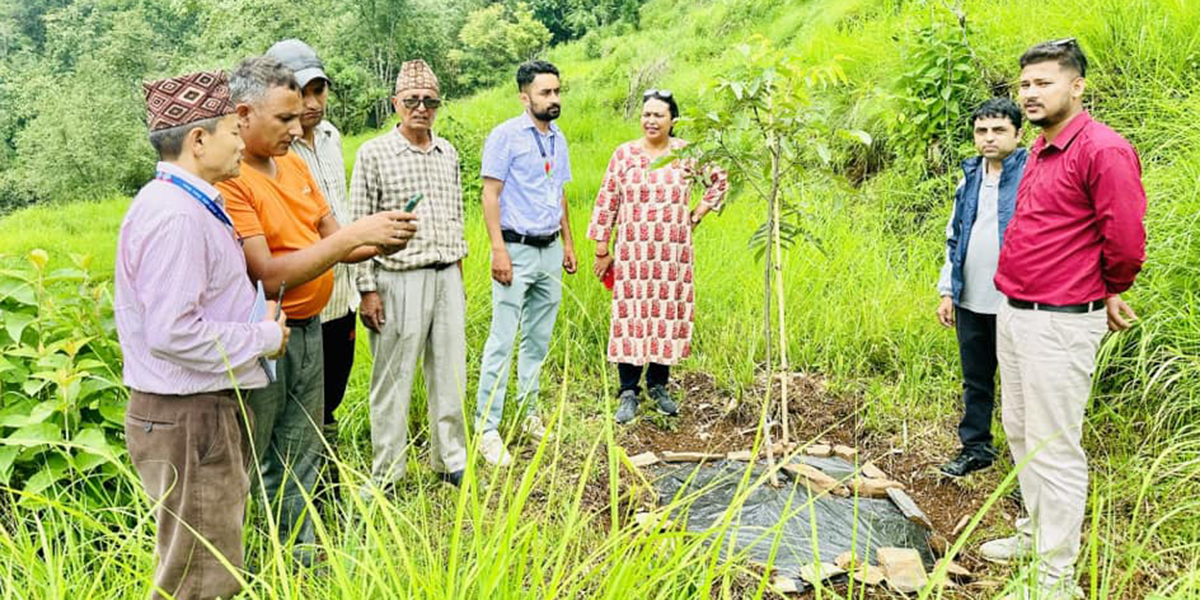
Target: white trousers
[1046,363]
[424,317]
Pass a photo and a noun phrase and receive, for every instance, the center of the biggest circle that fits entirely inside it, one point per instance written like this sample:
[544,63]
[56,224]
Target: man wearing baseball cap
[183,305]
[320,146]
[413,301]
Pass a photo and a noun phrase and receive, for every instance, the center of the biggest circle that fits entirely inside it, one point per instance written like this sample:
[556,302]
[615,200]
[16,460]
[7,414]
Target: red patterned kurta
[652,307]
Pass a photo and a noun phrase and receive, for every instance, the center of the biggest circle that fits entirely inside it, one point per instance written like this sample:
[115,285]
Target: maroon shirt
[1077,234]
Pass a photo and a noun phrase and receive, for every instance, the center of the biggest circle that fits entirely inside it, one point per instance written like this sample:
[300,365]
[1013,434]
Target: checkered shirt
[324,159]
[387,171]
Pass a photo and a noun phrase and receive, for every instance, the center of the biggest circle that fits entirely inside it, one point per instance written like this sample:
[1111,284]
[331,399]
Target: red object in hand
[608,280]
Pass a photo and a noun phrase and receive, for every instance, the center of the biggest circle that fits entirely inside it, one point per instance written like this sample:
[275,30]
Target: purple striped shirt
[183,296]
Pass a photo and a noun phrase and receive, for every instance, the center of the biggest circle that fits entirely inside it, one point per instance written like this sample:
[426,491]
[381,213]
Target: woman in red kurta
[651,258]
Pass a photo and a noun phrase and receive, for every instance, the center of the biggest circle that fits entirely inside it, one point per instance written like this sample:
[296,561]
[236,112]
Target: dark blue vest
[966,205]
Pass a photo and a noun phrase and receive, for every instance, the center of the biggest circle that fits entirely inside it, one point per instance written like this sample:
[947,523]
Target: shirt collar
[403,144]
[322,130]
[203,186]
[529,124]
[1068,134]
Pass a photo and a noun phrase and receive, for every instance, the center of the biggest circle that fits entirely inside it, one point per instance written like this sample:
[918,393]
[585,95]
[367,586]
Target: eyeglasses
[664,94]
[1063,42]
[430,103]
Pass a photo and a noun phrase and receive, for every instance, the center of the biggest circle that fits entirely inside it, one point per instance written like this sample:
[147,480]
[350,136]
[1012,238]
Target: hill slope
[862,311]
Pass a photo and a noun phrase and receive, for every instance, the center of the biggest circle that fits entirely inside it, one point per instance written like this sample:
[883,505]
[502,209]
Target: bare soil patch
[706,424]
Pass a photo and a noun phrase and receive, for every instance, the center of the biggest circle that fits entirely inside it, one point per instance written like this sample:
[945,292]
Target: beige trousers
[424,317]
[1046,363]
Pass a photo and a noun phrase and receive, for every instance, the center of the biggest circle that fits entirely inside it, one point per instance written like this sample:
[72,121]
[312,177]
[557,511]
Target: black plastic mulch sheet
[880,524]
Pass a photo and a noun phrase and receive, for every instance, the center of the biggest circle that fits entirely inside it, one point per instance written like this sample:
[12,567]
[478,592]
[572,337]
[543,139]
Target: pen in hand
[279,302]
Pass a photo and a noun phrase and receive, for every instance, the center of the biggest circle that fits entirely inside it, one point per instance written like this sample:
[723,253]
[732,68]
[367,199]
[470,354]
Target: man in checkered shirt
[413,301]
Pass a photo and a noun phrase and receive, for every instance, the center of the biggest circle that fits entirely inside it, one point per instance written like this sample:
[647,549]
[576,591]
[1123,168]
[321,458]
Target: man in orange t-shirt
[291,240]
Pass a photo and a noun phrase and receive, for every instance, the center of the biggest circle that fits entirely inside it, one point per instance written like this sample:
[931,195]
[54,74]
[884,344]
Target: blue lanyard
[542,149]
[197,194]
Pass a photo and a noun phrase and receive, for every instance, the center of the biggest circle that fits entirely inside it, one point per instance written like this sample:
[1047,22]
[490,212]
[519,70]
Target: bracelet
[602,255]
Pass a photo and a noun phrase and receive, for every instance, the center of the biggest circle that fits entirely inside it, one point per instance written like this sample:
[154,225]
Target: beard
[1051,119]
[547,113]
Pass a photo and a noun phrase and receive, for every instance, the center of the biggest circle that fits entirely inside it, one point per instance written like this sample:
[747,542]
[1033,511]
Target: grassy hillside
[861,313]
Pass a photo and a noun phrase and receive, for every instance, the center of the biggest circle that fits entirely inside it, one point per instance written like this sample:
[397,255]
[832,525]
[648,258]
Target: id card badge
[553,193]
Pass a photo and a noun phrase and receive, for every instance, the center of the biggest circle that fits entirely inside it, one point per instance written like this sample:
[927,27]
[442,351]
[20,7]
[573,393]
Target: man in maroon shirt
[1075,243]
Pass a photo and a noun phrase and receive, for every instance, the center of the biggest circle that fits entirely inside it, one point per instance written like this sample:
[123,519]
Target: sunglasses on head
[430,103]
[652,93]
[1063,42]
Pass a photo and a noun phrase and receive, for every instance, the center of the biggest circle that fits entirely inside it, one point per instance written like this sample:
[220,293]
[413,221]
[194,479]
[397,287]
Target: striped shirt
[182,296]
[387,172]
[328,168]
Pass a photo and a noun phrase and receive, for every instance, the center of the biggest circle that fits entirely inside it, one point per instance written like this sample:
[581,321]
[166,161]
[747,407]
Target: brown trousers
[192,453]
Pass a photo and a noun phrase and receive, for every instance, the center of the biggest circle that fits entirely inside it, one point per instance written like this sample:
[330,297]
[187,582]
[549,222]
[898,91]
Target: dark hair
[1002,108]
[253,76]
[666,97]
[529,70]
[1065,52]
[169,142]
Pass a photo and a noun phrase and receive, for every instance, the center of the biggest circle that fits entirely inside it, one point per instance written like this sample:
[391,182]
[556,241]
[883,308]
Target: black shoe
[663,399]
[965,463]
[627,407]
[454,479]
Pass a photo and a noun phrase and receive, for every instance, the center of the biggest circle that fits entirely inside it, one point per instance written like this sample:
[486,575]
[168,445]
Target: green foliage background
[70,104]
[861,312]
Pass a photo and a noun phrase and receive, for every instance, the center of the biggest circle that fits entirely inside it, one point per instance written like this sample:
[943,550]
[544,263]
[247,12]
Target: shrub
[495,39]
[63,405]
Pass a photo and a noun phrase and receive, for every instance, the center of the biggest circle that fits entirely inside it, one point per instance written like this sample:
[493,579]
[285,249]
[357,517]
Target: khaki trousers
[424,317]
[192,454]
[1046,363]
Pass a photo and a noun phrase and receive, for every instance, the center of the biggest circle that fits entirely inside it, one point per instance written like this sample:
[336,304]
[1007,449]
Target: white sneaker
[494,452]
[1006,550]
[533,428]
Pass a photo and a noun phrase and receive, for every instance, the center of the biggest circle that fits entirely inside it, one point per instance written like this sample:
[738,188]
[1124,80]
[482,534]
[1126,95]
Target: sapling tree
[765,124]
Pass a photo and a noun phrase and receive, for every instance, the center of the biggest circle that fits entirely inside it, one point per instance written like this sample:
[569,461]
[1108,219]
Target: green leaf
[43,410]
[113,410]
[18,290]
[92,439]
[824,153]
[8,454]
[15,324]
[50,473]
[93,385]
[861,136]
[86,461]
[34,385]
[36,434]
[736,87]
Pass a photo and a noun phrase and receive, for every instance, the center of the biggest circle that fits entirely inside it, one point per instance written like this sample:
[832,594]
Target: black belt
[537,241]
[303,322]
[440,265]
[1086,307]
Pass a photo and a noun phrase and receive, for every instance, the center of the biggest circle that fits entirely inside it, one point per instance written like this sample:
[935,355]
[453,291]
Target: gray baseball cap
[301,58]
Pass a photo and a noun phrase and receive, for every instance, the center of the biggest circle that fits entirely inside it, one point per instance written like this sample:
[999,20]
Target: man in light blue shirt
[525,165]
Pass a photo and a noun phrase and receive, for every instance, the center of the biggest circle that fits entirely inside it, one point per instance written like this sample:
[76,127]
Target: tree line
[70,107]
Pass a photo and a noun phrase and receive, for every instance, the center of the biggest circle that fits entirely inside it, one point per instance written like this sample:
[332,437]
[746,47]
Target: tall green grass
[861,312]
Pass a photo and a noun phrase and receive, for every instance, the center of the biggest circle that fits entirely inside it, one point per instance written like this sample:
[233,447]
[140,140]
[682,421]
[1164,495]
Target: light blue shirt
[531,201]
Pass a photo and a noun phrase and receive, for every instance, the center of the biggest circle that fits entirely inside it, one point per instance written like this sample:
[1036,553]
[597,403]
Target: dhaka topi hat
[300,58]
[182,100]
[415,74]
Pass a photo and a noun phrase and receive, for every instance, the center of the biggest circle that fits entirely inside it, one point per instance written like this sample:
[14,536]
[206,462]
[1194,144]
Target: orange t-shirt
[287,209]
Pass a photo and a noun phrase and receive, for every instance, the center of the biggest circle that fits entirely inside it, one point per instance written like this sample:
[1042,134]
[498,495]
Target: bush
[495,39]
[63,405]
